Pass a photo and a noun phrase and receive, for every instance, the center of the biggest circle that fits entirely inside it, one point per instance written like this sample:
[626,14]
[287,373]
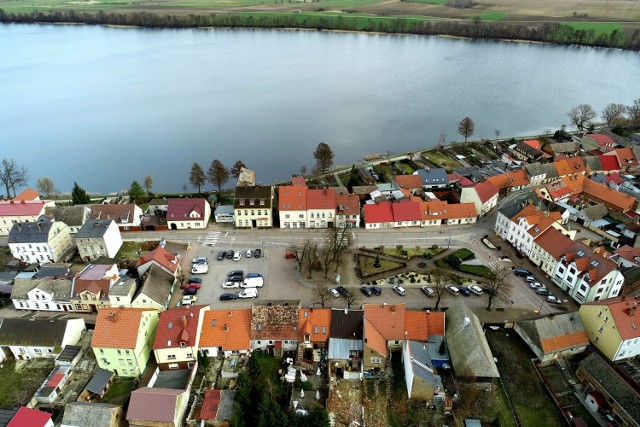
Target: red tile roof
[410,182]
[628,253]
[292,198]
[387,319]
[210,405]
[21,208]
[600,138]
[298,181]
[608,195]
[378,213]
[117,327]
[576,164]
[587,260]
[626,318]
[615,178]
[406,211]
[461,210]
[350,204]
[312,321]
[558,189]
[626,157]
[415,323]
[55,380]
[178,325]
[161,256]
[538,219]
[518,178]
[27,417]
[229,329]
[435,323]
[609,163]
[180,209]
[153,404]
[374,339]
[28,194]
[461,180]
[501,181]
[121,214]
[554,242]
[534,143]
[321,199]
[486,191]
[563,167]
[574,339]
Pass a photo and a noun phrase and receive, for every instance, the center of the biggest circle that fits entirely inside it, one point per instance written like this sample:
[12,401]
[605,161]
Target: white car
[334,292]
[200,269]
[188,300]
[534,285]
[248,293]
[237,255]
[249,253]
[554,300]
[228,285]
[399,290]
[475,289]
[200,260]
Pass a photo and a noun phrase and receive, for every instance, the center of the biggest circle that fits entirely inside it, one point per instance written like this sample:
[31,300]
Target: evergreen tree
[79,196]
[271,415]
[136,192]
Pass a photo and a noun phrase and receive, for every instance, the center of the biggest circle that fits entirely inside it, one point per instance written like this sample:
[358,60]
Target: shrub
[305,385]
[413,280]
[478,270]
[463,254]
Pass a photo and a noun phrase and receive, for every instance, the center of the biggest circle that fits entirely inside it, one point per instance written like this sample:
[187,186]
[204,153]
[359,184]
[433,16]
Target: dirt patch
[345,403]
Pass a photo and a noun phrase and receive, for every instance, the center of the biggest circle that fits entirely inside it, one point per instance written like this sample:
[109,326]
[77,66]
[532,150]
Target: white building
[40,242]
[484,195]
[42,294]
[42,337]
[292,204]
[321,208]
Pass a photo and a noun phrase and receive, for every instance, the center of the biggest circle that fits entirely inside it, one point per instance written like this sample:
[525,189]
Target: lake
[104,106]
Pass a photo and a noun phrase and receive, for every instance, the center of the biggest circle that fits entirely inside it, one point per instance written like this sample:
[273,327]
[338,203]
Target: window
[606,319]
[105,361]
[375,360]
[127,351]
[37,350]
[190,355]
[601,328]
[171,357]
[315,329]
[121,361]
[101,351]
[130,362]
[597,339]
[119,352]
[324,329]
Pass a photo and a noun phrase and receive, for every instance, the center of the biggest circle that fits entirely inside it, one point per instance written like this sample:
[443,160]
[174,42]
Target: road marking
[212,238]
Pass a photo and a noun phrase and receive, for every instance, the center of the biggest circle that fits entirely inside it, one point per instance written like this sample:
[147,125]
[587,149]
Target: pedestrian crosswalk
[494,265]
[212,238]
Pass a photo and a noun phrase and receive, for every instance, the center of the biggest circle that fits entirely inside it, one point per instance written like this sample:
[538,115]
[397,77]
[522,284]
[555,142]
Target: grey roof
[157,285]
[563,147]
[6,277]
[339,348]
[547,169]
[553,326]
[636,150]
[472,172]
[592,162]
[86,414]
[224,209]
[122,287]
[347,324]
[99,381]
[434,176]
[59,288]
[609,380]
[36,332]
[594,212]
[419,360]
[528,150]
[94,228]
[6,289]
[363,189]
[225,407]
[468,347]
[258,192]
[512,209]
[600,178]
[69,352]
[6,415]
[52,271]
[588,143]
[158,202]
[70,215]
[31,232]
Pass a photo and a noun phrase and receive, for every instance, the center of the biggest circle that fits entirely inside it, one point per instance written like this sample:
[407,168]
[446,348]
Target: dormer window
[183,344]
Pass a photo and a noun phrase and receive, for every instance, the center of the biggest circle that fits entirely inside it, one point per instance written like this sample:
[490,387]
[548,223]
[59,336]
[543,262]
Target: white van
[248,293]
[200,269]
[453,290]
[253,282]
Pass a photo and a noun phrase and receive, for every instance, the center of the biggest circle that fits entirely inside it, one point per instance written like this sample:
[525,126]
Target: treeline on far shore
[549,32]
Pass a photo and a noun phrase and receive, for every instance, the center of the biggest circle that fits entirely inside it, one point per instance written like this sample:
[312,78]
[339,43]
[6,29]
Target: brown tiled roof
[311,318]
[350,204]
[162,256]
[585,258]
[387,319]
[554,242]
[275,322]
[117,327]
[229,329]
[541,220]
[410,182]
[180,209]
[628,253]
[608,195]
[28,194]
[321,199]
[119,213]
[485,191]
[626,157]
[178,325]
[622,309]
[292,198]
[374,339]
[153,404]
[565,341]
[415,323]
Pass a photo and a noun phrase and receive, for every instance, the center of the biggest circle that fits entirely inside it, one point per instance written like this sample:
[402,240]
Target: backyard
[20,380]
[119,391]
[130,252]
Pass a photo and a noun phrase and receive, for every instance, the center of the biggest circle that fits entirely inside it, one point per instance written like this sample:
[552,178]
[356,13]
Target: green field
[490,16]
[597,27]
[427,1]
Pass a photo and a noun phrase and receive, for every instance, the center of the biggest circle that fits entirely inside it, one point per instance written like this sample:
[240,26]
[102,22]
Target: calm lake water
[104,106]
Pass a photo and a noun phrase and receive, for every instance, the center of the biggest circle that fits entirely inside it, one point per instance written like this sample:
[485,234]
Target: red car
[193,285]
[290,255]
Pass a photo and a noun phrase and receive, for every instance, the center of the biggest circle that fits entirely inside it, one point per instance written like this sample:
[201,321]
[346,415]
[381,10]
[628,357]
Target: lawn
[17,387]
[130,252]
[463,254]
[477,270]
[366,265]
[427,1]
[408,169]
[118,392]
[414,252]
[490,16]
[441,159]
[597,27]
[582,412]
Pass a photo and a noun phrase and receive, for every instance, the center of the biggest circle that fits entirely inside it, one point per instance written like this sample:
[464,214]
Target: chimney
[467,321]
[393,308]
[226,327]
[184,321]
[230,313]
[632,310]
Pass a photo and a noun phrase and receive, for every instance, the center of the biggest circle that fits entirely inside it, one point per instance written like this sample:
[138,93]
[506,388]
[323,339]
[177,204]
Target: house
[625,256]
[484,195]
[188,213]
[626,159]
[527,152]
[413,183]
[346,343]
[420,376]
[561,148]
[158,207]
[384,330]
[122,292]
[593,164]
[437,212]
[596,141]
[313,334]
[590,215]
[586,275]
[274,326]
[347,211]
[73,216]
[122,339]
[224,214]
[12,212]
[553,336]
[28,194]
[540,173]
[612,326]
[471,356]
[292,204]
[510,181]
[99,383]
[32,338]
[252,207]
[156,290]
[177,337]
[53,385]
[433,178]
[31,418]
[157,407]
[161,257]
[40,242]
[609,394]
[548,248]
[42,294]
[98,237]
[226,332]
[90,289]
[127,217]
[86,414]
[321,208]
[379,215]
[406,214]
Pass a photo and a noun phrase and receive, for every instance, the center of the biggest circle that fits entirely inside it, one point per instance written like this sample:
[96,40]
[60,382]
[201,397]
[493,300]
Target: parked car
[248,293]
[253,275]
[464,291]
[366,291]
[237,255]
[228,297]
[534,285]
[249,253]
[195,280]
[453,290]
[253,282]
[235,273]
[399,290]
[342,291]
[231,284]
[190,291]
[428,291]
[376,290]
[200,269]
[522,272]
[289,255]
[475,289]
[188,300]
[530,279]
[543,291]
[229,254]
[220,256]
[196,285]
[553,300]
[257,253]
[200,260]
[334,292]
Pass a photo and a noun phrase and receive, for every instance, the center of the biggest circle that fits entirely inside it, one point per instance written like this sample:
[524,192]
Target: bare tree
[148,183]
[46,186]
[633,113]
[301,251]
[439,285]
[466,127]
[303,170]
[582,115]
[337,242]
[352,299]
[12,176]
[613,114]
[497,133]
[321,292]
[499,287]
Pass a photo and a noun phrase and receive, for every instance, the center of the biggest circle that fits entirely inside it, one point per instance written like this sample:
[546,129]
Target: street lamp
[540,309]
